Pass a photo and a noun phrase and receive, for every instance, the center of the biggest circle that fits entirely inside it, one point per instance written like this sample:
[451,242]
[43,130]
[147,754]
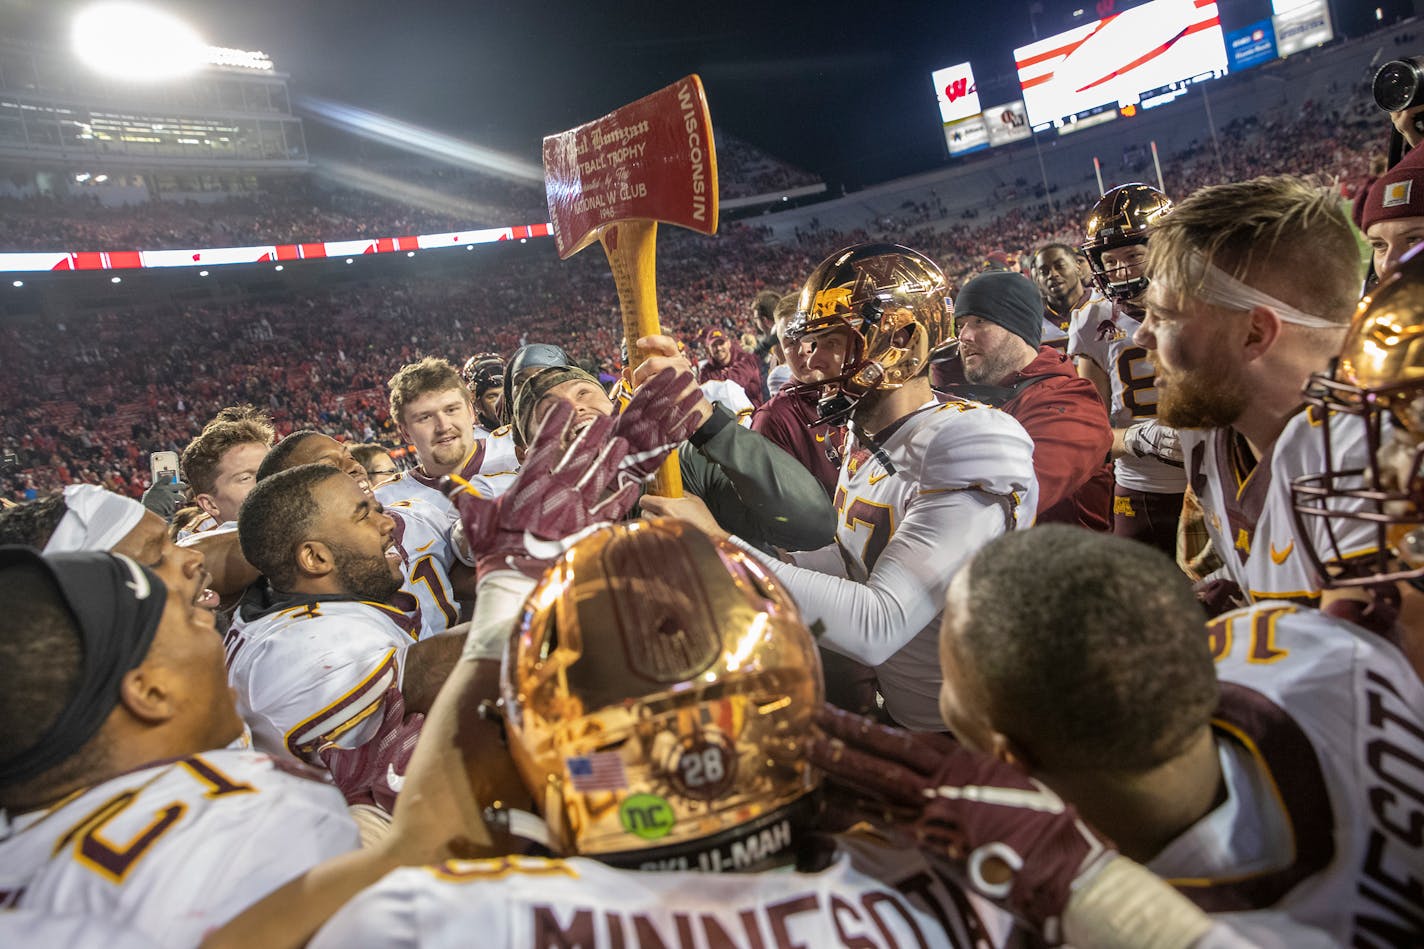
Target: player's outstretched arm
[872,621]
[1014,840]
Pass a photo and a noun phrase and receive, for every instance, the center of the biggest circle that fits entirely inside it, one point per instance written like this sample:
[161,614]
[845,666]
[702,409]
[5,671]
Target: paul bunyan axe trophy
[614,179]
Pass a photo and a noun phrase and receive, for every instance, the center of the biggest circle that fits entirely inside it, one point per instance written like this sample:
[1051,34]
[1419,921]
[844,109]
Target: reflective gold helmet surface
[891,302]
[656,691]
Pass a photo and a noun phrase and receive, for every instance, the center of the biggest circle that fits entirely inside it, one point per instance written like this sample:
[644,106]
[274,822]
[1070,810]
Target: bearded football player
[435,411]
[1235,334]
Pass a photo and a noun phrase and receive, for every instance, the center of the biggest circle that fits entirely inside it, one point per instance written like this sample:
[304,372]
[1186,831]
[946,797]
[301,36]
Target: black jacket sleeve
[754,489]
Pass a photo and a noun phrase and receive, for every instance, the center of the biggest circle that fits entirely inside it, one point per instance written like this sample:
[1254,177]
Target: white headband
[96,519]
[1218,287]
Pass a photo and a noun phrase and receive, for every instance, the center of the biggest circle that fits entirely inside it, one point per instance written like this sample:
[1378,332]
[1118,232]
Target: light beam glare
[427,199]
[419,141]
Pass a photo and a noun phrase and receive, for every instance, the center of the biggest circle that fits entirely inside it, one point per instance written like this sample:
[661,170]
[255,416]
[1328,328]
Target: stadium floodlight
[136,42]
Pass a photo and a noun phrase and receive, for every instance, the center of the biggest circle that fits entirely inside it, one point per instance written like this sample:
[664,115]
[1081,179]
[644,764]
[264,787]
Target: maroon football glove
[1013,839]
[658,418]
[374,772]
[558,493]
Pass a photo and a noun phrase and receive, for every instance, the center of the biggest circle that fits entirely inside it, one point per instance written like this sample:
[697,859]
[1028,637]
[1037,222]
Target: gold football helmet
[893,304]
[1379,380]
[654,695]
[483,371]
[1121,218]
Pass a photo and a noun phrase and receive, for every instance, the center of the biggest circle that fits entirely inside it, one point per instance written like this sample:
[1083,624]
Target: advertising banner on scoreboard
[966,135]
[1006,123]
[1121,59]
[958,96]
[1250,46]
[1303,27]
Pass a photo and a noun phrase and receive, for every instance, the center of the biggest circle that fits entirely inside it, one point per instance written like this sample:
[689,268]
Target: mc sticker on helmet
[646,815]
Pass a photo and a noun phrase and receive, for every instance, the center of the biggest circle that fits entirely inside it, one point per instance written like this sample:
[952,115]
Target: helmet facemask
[1129,290]
[892,303]
[1378,379]
[1122,218]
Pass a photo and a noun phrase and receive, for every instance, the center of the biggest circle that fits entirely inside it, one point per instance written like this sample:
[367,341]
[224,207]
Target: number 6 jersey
[173,850]
[1103,333]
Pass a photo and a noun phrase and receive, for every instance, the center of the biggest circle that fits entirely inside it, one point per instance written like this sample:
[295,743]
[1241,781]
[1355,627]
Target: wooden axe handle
[631,247]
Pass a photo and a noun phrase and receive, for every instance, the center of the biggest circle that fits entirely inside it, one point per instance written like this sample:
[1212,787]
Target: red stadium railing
[48,261]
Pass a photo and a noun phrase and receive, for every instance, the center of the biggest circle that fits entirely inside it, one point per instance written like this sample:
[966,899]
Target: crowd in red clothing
[326,205]
[88,397]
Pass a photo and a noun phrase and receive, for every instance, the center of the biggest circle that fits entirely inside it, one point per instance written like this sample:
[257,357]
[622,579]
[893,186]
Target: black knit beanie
[1007,299]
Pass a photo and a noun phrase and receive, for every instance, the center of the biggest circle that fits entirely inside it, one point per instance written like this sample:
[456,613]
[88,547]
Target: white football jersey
[20,927]
[732,395]
[487,467]
[1321,732]
[1055,334]
[1249,515]
[313,671]
[942,482]
[872,894]
[427,556]
[174,850]
[1103,333]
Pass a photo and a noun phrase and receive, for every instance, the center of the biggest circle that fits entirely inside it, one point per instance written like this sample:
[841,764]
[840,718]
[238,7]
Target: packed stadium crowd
[325,205]
[287,214]
[1052,579]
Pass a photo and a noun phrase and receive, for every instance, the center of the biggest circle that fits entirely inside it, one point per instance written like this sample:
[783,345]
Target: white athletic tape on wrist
[1125,904]
[1218,287]
[498,601]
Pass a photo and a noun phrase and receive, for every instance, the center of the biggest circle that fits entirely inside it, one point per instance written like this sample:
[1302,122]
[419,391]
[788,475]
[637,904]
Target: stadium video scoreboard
[1131,61]
[1144,57]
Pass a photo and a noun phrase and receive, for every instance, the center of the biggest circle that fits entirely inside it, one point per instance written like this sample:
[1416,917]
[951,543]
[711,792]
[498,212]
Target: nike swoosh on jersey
[1279,558]
[876,479]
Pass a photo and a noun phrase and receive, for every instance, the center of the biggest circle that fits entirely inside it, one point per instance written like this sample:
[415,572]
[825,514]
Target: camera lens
[1397,85]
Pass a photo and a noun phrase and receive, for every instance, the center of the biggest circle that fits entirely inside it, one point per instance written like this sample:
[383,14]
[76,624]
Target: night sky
[839,88]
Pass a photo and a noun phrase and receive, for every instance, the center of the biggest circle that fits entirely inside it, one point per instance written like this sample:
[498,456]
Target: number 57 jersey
[173,850]
[911,508]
